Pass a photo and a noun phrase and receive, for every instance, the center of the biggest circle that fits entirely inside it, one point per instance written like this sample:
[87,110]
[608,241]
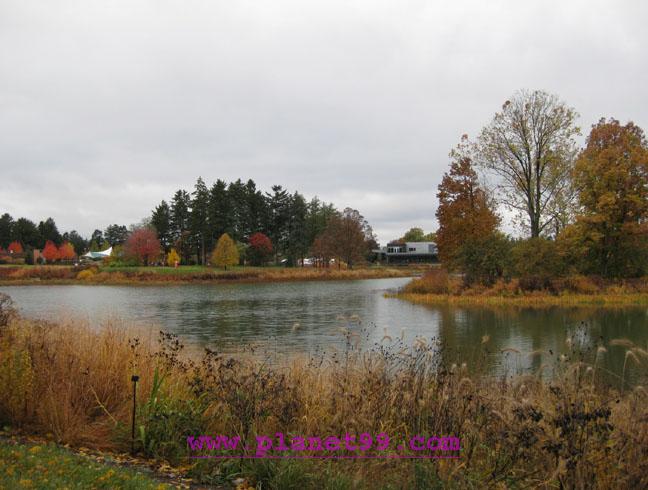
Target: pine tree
[161,221]
[180,214]
[200,230]
[220,211]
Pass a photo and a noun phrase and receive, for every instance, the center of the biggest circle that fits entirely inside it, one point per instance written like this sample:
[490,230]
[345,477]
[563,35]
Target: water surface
[307,317]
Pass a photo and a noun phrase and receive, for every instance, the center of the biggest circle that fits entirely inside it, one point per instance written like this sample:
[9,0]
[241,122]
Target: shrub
[86,274]
[436,281]
[484,259]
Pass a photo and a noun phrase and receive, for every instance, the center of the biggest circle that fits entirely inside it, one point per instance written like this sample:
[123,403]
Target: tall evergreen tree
[220,211]
[180,216]
[237,196]
[161,221]
[296,234]
[200,229]
[256,205]
[116,234]
[278,216]
[26,232]
[48,231]
[6,226]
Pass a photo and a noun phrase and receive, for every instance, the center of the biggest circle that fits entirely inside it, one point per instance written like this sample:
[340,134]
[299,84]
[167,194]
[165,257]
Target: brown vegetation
[437,286]
[26,275]
[73,382]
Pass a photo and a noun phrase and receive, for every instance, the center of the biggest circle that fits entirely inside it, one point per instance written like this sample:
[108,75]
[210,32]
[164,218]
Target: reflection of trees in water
[531,339]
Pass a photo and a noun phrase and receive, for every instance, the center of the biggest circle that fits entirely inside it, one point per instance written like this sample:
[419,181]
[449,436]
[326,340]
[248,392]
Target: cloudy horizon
[108,108]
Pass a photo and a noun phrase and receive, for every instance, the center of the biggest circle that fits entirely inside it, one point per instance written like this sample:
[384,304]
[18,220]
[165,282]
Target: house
[397,252]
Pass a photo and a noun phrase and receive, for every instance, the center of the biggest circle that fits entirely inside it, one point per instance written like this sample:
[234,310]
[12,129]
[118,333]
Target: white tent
[98,255]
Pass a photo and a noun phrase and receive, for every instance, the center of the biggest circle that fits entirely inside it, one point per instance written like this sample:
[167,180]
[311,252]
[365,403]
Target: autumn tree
[611,178]
[347,237]
[50,251]
[142,245]
[465,211]
[260,249]
[78,242]
[173,258]
[530,147]
[15,247]
[66,251]
[417,234]
[225,253]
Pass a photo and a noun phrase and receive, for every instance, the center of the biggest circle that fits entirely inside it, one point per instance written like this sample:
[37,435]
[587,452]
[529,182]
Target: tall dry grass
[439,287]
[165,275]
[73,381]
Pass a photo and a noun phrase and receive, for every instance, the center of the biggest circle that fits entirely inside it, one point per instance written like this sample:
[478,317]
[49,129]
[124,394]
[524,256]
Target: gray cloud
[107,107]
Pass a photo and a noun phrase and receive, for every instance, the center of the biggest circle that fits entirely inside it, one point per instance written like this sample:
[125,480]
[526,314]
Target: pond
[310,318]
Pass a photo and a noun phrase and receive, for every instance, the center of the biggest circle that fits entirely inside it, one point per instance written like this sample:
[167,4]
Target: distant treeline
[192,222]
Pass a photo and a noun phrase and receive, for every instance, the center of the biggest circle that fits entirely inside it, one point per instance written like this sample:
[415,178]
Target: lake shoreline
[529,300]
[161,276]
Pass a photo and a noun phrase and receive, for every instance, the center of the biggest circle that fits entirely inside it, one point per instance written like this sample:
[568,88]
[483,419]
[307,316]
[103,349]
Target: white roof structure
[98,255]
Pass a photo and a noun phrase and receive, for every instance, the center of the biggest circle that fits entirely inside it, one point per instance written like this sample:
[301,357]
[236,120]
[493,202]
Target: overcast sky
[108,107]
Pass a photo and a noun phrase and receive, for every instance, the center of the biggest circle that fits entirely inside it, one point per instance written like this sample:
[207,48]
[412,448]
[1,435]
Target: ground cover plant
[47,466]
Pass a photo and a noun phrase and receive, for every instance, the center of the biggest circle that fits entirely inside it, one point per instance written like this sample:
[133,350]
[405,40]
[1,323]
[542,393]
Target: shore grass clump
[70,381]
[439,287]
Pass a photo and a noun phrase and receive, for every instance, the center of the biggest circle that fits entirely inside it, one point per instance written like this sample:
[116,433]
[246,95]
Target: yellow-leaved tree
[225,252]
[173,258]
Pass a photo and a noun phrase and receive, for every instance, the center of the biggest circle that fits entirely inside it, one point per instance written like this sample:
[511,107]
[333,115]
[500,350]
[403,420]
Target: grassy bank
[438,287]
[72,381]
[46,466]
[25,275]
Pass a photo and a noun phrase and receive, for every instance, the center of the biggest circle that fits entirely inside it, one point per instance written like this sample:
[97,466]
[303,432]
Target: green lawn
[48,466]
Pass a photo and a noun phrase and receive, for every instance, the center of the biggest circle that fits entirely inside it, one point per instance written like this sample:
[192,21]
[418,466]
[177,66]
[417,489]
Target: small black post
[134,379]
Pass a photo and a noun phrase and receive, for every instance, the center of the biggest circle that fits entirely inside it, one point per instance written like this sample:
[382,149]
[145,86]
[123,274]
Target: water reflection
[226,317]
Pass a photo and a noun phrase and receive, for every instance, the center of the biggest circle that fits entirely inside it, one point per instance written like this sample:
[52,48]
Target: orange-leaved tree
[611,179]
[50,251]
[15,248]
[66,251]
[225,252]
[465,211]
